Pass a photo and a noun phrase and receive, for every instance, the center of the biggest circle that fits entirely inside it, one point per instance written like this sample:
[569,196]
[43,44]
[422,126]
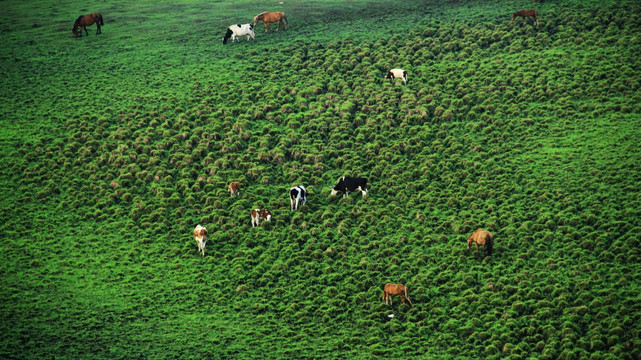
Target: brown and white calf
[260,214]
[397,74]
[200,234]
[234,188]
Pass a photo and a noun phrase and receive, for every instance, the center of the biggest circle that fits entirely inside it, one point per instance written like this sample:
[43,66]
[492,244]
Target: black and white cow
[348,183]
[397,74]
[297,197]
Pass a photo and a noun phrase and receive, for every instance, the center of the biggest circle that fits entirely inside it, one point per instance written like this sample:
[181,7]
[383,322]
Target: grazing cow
[297,197]
[200,234]
[260,214]
[347,183]
[397,74]
[234,188]
[395,289]
[236,31]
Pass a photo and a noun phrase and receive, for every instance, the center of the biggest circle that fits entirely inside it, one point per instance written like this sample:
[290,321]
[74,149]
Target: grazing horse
[270,17]
[86,20]
[395,289]
[200,235]
[483,238]
[237,30]
[525,14]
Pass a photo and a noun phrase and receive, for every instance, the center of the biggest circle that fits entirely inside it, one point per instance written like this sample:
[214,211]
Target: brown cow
[200,234]
[525,14]
[260,214]
[234,188]
[483,238]
[395,289]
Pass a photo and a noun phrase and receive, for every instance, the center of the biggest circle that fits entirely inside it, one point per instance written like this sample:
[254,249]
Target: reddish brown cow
[234,188]
[525,14]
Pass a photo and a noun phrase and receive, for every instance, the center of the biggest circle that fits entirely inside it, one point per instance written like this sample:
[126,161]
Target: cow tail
[490,245]
[227,36]
[286,22]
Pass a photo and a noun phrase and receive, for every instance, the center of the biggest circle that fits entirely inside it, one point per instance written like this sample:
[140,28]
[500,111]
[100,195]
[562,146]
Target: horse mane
[78,19]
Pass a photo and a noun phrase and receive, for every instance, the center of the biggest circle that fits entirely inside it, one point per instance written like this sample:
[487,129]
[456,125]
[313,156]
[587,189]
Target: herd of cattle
[297,197]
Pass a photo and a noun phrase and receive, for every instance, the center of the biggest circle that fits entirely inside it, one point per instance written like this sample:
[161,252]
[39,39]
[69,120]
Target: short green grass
[115,146]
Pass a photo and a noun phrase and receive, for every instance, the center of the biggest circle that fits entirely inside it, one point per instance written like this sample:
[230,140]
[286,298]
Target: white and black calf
[397,74]
[260,214]
[348,183]
[297,197]
[236,31]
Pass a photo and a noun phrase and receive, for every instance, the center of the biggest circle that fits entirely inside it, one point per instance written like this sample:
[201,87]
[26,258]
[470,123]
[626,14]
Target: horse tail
[100,17]
[490,244]
[227,36]
[285,20]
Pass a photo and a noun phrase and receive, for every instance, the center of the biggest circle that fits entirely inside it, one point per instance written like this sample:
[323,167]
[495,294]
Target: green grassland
[113,147]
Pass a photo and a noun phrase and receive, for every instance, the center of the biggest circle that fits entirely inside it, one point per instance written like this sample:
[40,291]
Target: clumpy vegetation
[115,146]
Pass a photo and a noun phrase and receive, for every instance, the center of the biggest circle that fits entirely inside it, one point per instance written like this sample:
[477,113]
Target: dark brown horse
[483,238]
[86,20]
[395,289]
[270,17]
[525,14]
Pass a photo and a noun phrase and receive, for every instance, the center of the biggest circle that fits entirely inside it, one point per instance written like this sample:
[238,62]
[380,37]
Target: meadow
[115,146]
